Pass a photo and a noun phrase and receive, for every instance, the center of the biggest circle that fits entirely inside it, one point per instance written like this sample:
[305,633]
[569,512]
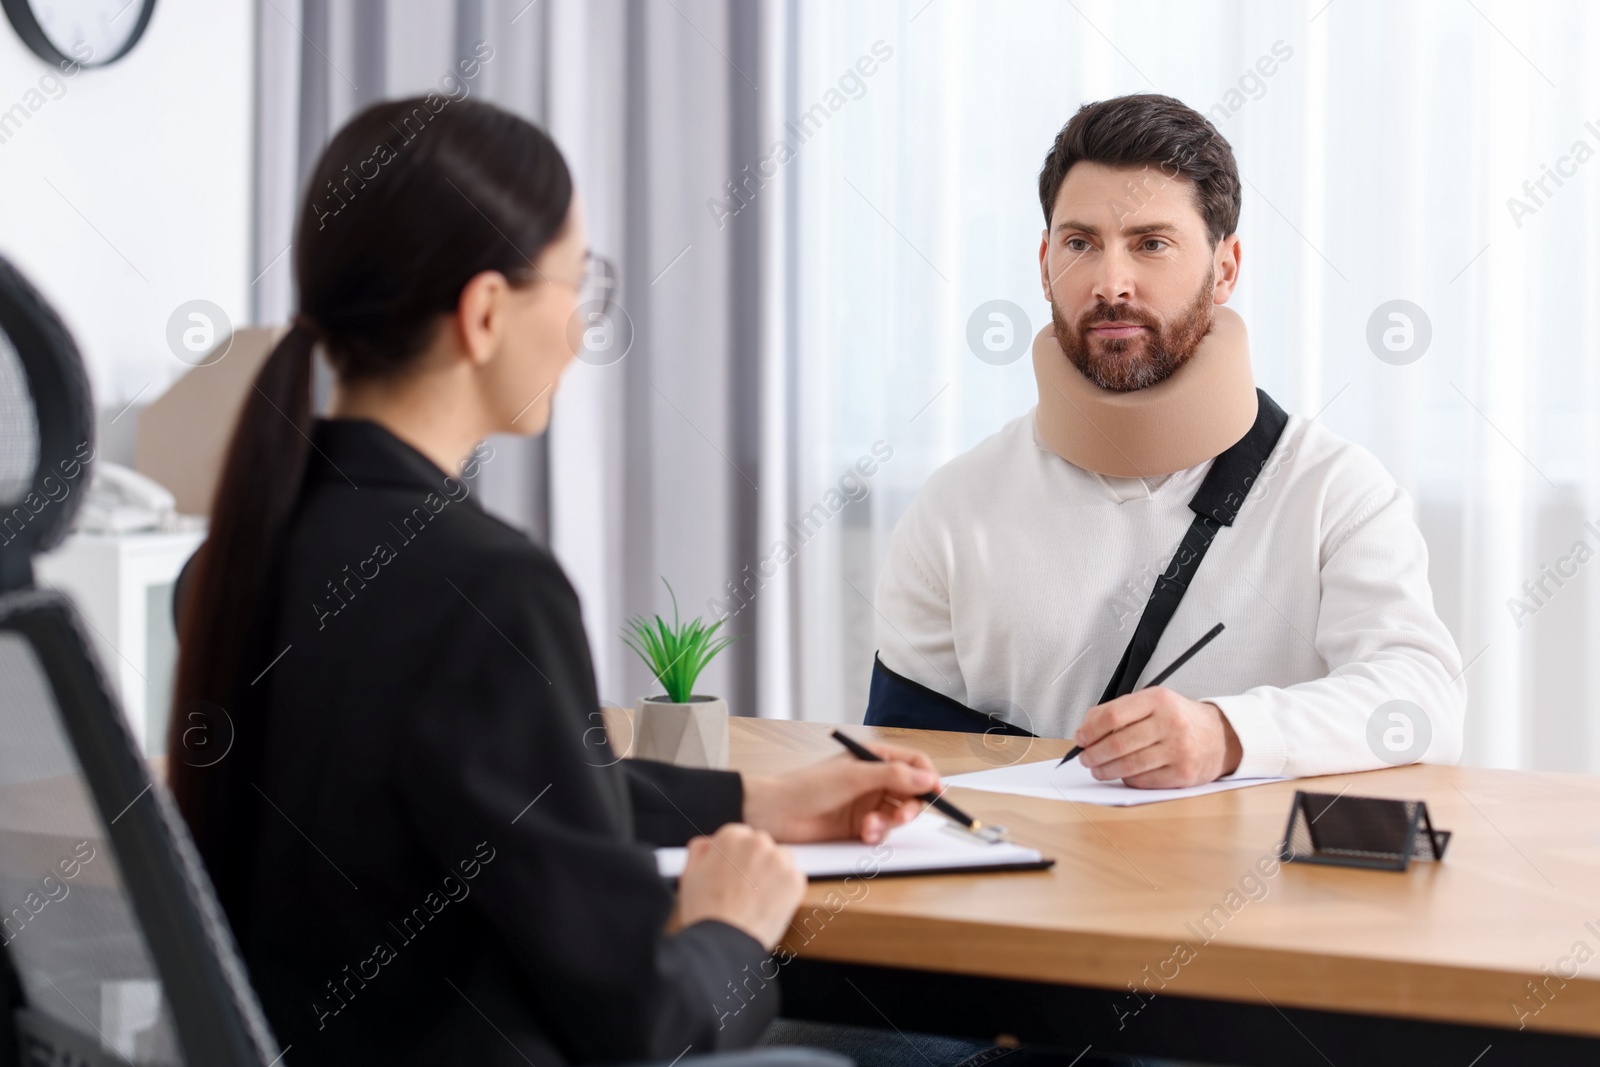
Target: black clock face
[91,33]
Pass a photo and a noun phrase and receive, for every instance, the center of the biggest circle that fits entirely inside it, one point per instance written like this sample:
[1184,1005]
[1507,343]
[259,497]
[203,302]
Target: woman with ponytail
[383,729]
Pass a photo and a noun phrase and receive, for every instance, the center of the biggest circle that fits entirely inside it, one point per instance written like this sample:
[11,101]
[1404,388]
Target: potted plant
[678,726]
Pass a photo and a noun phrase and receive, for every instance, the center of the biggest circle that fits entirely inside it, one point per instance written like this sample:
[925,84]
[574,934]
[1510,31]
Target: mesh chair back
[112,947]
[68,924]
[19,430]
[46,428]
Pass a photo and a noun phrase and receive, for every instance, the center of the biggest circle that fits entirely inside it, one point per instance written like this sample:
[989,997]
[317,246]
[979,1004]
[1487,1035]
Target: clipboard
[929,844]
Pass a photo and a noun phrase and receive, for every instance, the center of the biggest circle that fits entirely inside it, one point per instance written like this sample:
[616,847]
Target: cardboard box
[183,434]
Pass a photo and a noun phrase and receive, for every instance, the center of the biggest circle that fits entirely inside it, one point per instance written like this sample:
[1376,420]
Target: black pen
[1164,675]
[862,752]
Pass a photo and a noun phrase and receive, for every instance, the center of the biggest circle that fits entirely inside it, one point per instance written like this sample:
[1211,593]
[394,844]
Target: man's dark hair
[1158,131]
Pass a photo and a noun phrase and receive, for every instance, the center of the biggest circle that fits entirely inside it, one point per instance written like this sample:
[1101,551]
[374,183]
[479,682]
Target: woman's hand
[843,797]
[741,877]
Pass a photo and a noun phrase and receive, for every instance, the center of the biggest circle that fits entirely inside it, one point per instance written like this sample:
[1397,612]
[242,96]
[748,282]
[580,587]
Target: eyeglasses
[596,285]
[600,283]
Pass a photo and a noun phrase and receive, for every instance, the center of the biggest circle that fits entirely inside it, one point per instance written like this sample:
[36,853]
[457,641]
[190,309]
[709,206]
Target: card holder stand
[1371,832]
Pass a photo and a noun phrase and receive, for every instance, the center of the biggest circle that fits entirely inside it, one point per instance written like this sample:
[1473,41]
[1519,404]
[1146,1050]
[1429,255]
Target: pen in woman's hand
[862,752]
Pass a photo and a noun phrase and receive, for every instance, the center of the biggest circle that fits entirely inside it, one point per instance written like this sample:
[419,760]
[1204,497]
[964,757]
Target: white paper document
[1074,782]
[924,845]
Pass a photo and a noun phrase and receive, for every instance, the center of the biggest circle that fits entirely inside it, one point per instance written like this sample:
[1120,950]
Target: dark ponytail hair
[408,202]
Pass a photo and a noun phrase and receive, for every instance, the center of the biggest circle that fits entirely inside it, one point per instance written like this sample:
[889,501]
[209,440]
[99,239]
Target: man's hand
[1156,739]
[842,797]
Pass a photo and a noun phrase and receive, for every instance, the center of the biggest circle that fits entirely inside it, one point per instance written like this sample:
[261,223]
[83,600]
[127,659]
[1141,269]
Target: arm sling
[895,700]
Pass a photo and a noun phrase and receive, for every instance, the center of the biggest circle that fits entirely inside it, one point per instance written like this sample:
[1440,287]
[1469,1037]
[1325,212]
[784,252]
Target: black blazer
[446,861]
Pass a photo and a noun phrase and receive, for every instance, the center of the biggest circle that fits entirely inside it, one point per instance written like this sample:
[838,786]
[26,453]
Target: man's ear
[480,315]
[1044,262]
[1225,263]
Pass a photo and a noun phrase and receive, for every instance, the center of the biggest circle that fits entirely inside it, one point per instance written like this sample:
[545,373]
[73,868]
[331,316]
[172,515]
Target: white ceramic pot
[691,735]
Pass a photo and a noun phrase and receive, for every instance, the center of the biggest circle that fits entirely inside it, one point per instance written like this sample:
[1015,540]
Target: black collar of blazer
[363,453]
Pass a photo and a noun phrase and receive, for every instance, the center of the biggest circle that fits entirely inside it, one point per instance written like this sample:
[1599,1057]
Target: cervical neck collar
[1198,413]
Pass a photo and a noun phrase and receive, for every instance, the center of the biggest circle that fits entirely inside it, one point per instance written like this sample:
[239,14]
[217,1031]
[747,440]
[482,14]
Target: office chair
[113,949]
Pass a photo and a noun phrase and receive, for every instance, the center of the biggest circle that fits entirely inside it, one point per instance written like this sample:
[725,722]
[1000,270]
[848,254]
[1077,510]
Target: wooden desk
[1313,964]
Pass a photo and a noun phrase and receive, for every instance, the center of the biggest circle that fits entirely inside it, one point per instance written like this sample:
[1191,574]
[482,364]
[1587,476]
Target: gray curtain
[675,461]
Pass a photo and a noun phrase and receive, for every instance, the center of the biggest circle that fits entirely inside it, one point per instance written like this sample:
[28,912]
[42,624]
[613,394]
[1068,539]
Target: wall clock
[92,33]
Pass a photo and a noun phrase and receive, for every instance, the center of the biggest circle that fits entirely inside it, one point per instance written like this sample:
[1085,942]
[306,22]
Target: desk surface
[1516,900]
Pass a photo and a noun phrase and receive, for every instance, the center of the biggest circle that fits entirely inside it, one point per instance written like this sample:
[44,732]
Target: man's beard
[1124,364]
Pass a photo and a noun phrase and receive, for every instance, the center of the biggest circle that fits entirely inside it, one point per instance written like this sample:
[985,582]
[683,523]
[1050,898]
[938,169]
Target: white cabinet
[122,585]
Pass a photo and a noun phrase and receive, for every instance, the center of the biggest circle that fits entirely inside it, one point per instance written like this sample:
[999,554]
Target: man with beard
[1152,493]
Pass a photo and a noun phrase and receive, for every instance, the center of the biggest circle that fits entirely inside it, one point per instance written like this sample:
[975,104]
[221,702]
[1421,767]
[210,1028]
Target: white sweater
[1015,580]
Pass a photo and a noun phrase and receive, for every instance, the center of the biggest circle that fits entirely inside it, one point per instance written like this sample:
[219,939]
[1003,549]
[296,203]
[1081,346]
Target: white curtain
[1381,147]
